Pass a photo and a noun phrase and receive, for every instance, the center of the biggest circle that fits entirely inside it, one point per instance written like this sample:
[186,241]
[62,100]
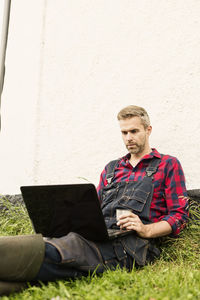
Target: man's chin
[133,150]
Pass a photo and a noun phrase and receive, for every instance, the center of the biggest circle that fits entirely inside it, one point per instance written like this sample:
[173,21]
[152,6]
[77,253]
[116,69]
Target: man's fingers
[130,224]
[127,219]
[127,215]
[124,221]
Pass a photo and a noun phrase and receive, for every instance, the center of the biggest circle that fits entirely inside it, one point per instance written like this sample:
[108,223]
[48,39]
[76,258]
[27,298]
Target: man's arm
[176,198]
[131,221]
[102,183]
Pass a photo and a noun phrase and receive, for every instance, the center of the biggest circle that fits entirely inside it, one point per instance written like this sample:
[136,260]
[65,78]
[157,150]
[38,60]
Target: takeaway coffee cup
[120,212]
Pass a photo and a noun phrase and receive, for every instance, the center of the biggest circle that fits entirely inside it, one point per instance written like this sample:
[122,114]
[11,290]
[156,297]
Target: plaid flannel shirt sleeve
[102,183]
[176,197]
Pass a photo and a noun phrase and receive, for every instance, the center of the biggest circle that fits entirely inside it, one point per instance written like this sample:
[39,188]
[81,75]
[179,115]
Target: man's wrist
[148,230]
[154,230]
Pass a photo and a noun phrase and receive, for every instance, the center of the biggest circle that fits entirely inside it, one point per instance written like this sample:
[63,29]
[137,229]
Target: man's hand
[130,221]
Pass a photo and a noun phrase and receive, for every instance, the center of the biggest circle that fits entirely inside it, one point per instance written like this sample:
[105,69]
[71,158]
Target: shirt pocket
[135,201]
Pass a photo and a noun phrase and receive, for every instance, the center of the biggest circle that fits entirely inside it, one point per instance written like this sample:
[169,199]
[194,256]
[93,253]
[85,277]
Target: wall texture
[72,65]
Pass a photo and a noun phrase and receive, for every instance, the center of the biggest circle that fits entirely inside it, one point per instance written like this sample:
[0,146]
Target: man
[149,186]
[169,206]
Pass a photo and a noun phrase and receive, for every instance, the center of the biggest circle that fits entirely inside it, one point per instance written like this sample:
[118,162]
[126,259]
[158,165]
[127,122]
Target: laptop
[56,210]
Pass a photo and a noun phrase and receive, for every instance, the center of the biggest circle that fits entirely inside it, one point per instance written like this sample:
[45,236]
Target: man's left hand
[131,221]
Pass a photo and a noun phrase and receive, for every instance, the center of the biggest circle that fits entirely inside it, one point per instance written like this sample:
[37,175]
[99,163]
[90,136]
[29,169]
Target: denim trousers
[73,256]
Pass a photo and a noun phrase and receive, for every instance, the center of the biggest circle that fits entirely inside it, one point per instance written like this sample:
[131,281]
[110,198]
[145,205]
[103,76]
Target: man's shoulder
[113,162]
[169,159]
[116,162]
[163,156]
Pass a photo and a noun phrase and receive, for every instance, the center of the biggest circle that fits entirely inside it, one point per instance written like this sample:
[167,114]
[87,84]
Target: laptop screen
[56,210]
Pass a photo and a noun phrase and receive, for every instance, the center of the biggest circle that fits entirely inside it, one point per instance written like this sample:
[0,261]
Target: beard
[136,148]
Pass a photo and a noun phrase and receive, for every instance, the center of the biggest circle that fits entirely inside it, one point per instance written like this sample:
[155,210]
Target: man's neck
[135,158]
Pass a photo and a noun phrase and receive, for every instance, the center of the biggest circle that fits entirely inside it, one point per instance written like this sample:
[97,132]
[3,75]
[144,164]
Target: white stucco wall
[72,65]
[1,11]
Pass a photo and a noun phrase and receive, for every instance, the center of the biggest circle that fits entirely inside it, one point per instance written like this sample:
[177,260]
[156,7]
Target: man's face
[135,136]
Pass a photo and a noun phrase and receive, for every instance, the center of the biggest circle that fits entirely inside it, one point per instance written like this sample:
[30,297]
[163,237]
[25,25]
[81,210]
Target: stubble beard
[138,149]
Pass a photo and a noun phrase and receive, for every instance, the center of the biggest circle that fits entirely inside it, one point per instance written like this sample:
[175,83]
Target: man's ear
[149,130]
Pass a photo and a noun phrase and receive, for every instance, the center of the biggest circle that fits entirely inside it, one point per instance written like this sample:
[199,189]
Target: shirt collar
[154,153]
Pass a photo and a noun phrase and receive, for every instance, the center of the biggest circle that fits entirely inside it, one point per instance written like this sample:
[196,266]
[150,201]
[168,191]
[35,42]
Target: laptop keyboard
[116,232]
[113,231]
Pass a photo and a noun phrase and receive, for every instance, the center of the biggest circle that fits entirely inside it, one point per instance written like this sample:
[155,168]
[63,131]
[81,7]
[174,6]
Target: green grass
[176,275]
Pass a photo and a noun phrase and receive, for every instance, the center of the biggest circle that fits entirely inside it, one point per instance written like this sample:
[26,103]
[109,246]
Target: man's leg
[29,258]
[20,261]
[21,257]
[52,268]
[72,256]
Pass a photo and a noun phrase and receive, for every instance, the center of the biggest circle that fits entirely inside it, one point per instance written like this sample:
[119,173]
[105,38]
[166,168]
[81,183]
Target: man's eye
[124,132]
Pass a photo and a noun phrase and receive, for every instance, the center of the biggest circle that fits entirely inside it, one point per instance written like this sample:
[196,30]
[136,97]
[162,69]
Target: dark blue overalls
[73,256]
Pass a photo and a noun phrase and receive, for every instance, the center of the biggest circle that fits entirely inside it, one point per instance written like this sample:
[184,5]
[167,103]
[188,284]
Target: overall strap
[111,170]
[150,170]
[153,166]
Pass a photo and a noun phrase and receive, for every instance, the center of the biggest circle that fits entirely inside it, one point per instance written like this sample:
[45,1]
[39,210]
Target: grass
[176,275]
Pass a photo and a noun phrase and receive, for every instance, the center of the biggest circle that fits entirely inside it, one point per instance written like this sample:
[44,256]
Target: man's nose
[129,136]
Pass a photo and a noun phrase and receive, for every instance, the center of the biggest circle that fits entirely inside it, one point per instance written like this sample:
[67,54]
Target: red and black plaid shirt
[170,201]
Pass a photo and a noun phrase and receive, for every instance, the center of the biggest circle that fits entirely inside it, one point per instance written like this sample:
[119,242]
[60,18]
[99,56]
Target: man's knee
[77,252]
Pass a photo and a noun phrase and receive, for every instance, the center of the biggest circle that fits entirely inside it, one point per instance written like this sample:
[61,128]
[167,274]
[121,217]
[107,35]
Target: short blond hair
[134,111]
